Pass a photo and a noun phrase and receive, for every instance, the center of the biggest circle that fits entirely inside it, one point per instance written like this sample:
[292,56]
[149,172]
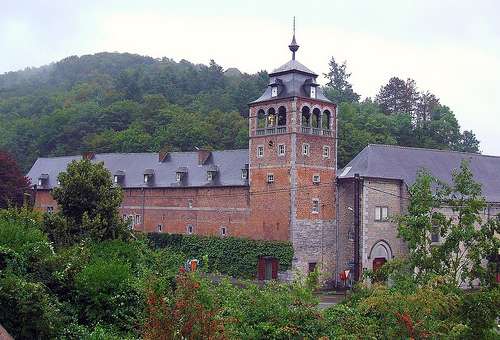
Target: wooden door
[378,262]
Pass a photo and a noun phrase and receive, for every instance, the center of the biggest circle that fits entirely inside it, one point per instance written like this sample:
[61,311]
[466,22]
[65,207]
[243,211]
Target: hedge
[233,256]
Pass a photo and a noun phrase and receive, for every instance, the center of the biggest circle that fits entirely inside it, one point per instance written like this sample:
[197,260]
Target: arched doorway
[380,253]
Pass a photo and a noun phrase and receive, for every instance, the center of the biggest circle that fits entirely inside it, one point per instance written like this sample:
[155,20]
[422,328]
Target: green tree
[338,88]
[398,96]
[466,238]
[89,201]
[13,184]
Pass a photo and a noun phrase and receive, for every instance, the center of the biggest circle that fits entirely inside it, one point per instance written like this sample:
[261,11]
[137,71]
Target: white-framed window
[189,229]
[270,178]
[130,221]
[326,151]
[244,174]
[50,210]
[116,179]
[160,228]
[40,182]
[315,206]
[190,204]
[178,176]
[260,151]
[210,176]
[306,149]
[137,219]
[274,91]
[281,149]
[381,214]
[316,178]
[147,178]
[313,92]
[223,231]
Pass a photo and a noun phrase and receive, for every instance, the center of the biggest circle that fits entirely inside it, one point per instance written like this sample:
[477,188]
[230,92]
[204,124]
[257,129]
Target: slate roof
[229,164]
[396,162]
[294,77]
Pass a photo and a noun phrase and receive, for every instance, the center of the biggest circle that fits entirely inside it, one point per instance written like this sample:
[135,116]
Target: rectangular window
[137,219]
[313,92]
[305,149]
[210,176]
[381,214]
[326,151]
[223,231]
[244,174]
[274,91]
[281,149]
[130,220]
[315,206]
[435,235]
[50,210]
[160,228]
[190,204]
[312,266]
[270,178]
[189,229]
[316,178]
[260,151]
[178,176]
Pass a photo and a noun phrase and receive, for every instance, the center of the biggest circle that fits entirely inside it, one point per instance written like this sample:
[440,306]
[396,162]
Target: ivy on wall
[236,257]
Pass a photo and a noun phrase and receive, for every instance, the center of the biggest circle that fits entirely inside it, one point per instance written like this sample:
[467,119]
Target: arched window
[281,116]
[316,118]
[261,119]
[271,117]
[306,116]
[381,249]
[325,121]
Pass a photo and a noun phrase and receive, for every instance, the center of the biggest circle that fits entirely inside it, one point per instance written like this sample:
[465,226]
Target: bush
[229,255]
[480,310]
[28,310]
[344,322]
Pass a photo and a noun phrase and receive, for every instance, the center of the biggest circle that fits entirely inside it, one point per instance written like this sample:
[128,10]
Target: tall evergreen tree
[13,184]
[398,96]
[338,88]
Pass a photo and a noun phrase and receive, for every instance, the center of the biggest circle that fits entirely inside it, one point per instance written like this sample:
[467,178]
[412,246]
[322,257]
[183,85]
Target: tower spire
[293,45]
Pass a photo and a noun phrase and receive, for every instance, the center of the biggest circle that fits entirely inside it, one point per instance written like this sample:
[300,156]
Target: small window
[316,179]
[312,266]
[281,149]
[130,220]
[50,210]
[223,231]
[313,92]
[326,151]
[435,235]
[137,219]
[244,174]
[260,151]
[146,178]
[210,176]
[189,229]
[274,91]
[305,149]
[178,176]
[160,228]
[40,182]
[190,204]
[381,214]
[315,206]
[116,178]
[270,178]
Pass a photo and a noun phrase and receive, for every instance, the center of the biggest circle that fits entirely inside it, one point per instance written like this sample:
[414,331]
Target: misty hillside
[120,102]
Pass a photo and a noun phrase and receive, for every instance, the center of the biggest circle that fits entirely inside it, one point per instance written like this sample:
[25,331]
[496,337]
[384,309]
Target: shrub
[480,310]
[229,255]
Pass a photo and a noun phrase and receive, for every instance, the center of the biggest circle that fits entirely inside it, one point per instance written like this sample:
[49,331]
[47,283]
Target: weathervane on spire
[293,45]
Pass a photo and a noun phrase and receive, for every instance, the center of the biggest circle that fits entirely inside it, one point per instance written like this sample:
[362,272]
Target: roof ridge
[430,149]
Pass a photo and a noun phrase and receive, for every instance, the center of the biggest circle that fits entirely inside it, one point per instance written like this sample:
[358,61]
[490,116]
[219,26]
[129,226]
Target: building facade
[281,188]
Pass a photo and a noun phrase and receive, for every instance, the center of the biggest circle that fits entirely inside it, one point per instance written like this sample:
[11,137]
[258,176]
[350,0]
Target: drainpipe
[357,223]
[143,209]
[337,198]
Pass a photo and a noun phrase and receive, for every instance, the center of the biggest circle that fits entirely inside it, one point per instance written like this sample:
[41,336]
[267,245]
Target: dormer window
[119,176]
[244,173]
[43,180]
[274,91]
[212,173]
[180,174]
[149,176]
[313,92]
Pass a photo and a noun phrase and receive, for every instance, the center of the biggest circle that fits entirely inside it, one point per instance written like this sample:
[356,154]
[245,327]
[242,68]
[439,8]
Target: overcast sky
[451,48]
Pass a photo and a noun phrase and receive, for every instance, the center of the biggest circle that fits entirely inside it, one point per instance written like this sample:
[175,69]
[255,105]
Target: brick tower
[292,161]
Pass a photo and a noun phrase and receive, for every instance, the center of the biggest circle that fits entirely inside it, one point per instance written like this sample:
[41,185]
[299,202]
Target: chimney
[203,156]
[163,154]
[88,155]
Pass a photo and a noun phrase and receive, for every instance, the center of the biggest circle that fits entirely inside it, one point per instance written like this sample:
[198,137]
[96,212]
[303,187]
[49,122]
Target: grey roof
[396,162]
[294,78]
[135,165]
[293,65]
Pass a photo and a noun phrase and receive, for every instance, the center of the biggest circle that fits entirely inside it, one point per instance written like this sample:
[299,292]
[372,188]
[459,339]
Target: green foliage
[466,238]
[89,205]
[13,184]
[229,255]
[480,310]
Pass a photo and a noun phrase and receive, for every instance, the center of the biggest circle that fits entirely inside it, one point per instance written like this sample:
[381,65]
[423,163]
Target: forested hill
[120,102]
